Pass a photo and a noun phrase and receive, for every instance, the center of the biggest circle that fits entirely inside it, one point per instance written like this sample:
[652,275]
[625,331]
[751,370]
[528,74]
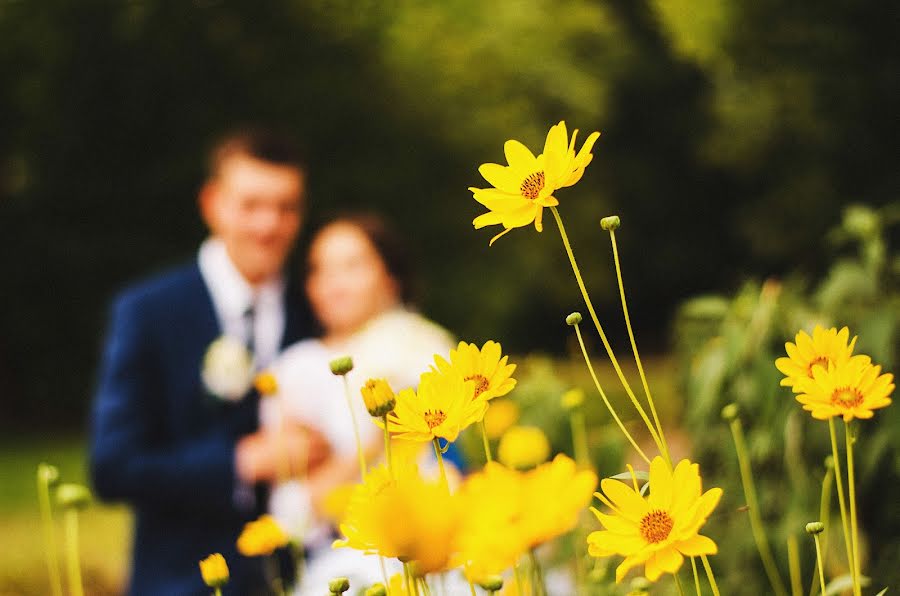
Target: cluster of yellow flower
[496,515]
[829,380]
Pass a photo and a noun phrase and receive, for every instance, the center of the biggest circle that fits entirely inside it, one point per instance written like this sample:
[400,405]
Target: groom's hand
[269,455]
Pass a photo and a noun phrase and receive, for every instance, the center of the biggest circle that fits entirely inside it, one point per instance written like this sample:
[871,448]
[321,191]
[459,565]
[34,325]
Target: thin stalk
[50,552]
[472,587]
[440,459]
[612,411]
[634,349]
[824,514]
[387,446]
[359,449]
[854,527]
[678,584]
[520,585]
[606,345]
[73,561]
[579,438]
[756,525]
[794,566]
[839,482]
[411,578]
[540,587]
[486,443]
[710,575]
[384,575]
[696,576]
[820,563]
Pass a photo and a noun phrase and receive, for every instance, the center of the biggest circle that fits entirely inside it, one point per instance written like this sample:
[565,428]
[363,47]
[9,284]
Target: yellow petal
[501,177]
[519,157]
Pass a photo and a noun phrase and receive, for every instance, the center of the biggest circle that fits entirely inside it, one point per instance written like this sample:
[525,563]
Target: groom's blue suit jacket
[165,446]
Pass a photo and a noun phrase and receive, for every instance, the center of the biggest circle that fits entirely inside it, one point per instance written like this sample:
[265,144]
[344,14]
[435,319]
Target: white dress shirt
[232,296]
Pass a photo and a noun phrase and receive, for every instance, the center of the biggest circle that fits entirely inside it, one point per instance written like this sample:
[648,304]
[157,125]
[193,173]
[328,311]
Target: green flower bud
[48,474]
[376,590]
[829,462]
[74,496]
[610,223]
[341,366]
[730,412]
[491,583]
[815,527]
[574,318]
[339,585]
[573,398]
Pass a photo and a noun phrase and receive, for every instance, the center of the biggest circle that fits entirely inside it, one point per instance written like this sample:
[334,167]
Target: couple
[196,468]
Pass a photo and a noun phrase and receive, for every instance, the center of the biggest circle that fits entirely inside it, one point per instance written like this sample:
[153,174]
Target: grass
[105,529]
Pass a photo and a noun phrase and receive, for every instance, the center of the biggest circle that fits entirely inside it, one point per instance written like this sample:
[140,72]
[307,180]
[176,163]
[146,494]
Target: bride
[358,285]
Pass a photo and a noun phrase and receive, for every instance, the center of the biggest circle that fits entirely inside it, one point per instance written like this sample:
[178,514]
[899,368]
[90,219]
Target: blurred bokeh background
[734,137]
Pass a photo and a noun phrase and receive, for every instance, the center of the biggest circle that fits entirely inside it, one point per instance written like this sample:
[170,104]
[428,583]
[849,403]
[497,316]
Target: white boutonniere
[228,368]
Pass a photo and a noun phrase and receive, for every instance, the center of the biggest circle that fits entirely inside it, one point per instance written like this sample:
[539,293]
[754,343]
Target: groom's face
[255,208]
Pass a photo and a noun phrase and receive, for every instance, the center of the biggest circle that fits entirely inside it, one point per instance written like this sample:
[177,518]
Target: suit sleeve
[129,460]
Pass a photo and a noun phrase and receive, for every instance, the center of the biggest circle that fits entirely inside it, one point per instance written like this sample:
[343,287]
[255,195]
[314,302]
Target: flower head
[261,537]
[227,368]
[555,494]
[502,414]
[441,408]
[658,531]
[523,188]
[486,367]
[266,383]
[427,510]
[523,447]
[378,397]
[214,570]
[852,390]
[824,347]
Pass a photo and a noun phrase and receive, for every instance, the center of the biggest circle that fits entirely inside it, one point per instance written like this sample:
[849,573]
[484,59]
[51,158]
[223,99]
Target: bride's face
[348,282]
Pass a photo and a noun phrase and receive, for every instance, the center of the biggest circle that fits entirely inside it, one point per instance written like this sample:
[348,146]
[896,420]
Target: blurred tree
[732,132]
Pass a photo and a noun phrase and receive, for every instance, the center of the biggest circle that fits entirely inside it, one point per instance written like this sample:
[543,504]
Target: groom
[195,466]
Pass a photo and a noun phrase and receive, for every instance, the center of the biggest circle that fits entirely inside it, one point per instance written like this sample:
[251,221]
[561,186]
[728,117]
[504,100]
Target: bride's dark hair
[387,243]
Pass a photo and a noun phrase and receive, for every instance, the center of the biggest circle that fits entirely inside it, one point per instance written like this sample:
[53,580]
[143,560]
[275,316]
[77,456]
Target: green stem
[411,579]
[218,591]
[634,349]
[73,562]
[678,584]
[820,563]
[579,438]
[824,514]
[472,587]
[756,525]
[359,449]
[606,345]
[387,446]
[520,582]
[854,527]
[696,576]
[43,491]
[440,459]
[794,566]
[487,444]
[612,411]
[540,588]
[384,576]
[710,575]
[839,482]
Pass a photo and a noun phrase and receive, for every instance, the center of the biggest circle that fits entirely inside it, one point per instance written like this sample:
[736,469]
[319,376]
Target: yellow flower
[658,531]
[402,516]
[486,368]
[266,383]
[214,570]
[522,189]
[851,390]
[442,407]
[490,538]
[824,347]
[555,494]
[334,506]
[261,537]
[573,398]
[378,397]
[523,447]
[502,414]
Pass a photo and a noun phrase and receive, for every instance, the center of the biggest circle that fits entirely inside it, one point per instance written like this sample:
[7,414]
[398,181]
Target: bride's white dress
[398,345]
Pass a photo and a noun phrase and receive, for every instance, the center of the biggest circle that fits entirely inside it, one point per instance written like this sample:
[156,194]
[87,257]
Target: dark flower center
[532,186]
[656,525]
[481,384]
[846,397]
[434,418]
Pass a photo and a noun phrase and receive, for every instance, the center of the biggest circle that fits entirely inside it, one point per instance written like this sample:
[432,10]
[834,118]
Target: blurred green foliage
[727,346]
[732,134]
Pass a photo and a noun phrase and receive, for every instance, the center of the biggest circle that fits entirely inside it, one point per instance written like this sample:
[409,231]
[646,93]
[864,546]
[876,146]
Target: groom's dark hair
[259,143]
